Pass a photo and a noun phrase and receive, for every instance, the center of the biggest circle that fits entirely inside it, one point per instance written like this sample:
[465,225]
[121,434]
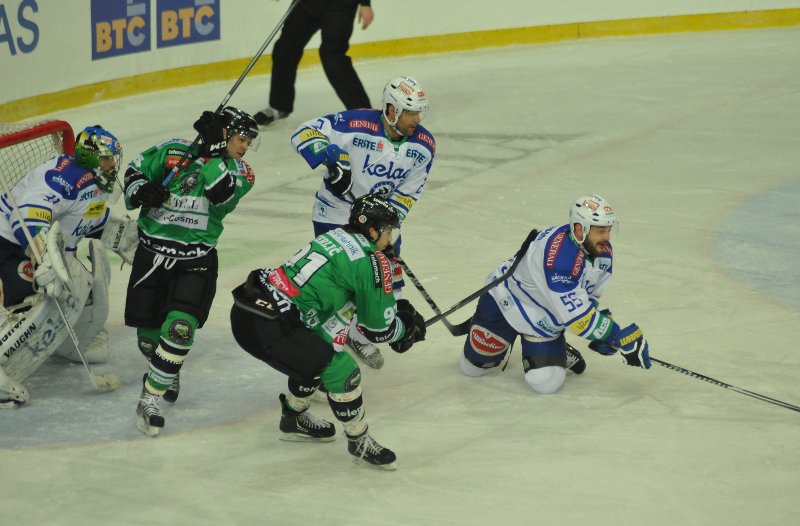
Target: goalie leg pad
[489,339]
[38,332]
[90,327]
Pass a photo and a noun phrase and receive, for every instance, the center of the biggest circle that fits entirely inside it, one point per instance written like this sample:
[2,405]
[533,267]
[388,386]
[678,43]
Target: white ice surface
[695,138]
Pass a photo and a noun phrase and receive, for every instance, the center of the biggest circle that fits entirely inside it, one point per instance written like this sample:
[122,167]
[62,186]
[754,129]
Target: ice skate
[575,361]
[368,353]
[149,419]
[364,448]
[171,395]
[269,116]
[302,426]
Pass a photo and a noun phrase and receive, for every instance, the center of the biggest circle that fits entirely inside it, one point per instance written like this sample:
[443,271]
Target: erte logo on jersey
[375,146]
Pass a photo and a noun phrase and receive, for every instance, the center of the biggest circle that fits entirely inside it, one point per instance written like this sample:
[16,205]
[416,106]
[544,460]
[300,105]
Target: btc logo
[185,21]
[120,27]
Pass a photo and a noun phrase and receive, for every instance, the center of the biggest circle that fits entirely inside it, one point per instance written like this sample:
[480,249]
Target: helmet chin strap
[393,123]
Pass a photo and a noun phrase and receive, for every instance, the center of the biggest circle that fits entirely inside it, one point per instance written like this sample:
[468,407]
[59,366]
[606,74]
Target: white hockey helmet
[590,210]
[404,93]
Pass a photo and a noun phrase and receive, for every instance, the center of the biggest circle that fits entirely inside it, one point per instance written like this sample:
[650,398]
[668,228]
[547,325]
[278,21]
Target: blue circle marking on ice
[759,243]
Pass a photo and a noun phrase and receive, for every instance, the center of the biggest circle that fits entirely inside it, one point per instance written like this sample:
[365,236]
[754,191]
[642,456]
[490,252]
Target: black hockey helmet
[238,121]
[372,211]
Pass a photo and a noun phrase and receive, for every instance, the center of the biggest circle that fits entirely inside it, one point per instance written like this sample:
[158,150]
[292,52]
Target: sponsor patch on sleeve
[309,134]
[381,271]
[42,214]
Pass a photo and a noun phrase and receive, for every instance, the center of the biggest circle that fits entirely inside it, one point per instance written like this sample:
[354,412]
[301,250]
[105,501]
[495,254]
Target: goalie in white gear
[71,192]
[369,151]
[556,286]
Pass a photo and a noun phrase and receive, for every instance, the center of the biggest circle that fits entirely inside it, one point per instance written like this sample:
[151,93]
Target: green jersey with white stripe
[189,223]
[336,275]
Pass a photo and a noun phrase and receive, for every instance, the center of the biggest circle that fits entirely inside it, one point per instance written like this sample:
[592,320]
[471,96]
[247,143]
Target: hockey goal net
[26,146]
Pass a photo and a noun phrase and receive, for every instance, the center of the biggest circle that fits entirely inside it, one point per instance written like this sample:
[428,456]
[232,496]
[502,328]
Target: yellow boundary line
[231,69]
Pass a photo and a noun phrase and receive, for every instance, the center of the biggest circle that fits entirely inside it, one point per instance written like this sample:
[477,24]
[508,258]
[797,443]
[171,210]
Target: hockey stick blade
[713,381]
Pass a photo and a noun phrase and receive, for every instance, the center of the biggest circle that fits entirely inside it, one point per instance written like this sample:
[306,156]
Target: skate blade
[294,437]
[146,428]
[392,466]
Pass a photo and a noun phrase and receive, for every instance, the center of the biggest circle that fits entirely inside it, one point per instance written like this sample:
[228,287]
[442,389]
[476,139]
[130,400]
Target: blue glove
[340,178]
[634,348]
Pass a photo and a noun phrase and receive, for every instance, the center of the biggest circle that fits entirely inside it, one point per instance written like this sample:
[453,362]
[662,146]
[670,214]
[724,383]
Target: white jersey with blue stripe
[553,287]
[57,190]
[397,170]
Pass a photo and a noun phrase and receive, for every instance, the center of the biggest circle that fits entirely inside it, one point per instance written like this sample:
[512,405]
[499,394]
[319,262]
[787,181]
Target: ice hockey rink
[694,138]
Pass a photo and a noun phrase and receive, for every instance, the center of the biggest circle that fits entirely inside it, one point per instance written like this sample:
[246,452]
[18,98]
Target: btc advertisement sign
[120,27]
[187,21]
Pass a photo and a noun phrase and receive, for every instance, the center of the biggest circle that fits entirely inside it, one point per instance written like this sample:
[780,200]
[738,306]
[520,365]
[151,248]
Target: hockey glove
[415,327]
[389,252]
[51,274]
[149,195]
[121,236]
[634,348]
[210,127]
[600,346]
[340,178]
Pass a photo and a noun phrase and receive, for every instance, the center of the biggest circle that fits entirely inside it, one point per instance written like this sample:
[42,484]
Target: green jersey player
[174,273]
[295,318]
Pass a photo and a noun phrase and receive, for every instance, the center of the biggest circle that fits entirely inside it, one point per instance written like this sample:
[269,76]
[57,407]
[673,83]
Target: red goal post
[26,146]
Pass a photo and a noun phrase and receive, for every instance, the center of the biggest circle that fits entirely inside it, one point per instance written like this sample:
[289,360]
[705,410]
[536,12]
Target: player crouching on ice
[43,219]
[296,318]
[556,286]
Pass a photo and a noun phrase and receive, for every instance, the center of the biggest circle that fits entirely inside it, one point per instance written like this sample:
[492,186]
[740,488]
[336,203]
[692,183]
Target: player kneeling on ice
[556,286]
[174,276]
[295,318]
[46,214]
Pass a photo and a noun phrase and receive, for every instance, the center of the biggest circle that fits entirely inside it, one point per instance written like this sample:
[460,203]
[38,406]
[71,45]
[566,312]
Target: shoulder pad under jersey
[563,261]
[68,179]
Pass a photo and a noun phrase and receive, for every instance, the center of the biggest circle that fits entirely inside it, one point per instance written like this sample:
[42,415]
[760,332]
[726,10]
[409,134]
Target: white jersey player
[44,216]
[556,286]
[385,152]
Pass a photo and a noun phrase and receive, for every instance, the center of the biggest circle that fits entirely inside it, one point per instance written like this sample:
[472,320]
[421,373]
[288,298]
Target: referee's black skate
[575,361]
[302,426]
[268,116]
[364,448]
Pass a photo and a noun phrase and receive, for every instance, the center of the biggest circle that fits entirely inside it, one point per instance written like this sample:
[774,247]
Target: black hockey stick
[710,380]
[227,97]
[425,295]
[507,274]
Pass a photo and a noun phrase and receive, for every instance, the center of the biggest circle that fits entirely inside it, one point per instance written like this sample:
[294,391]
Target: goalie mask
[98,150]
[590,210]
[372,211]
[405,94]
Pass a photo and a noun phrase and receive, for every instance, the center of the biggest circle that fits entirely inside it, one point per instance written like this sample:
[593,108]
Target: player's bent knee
[546,380]
[470,369]
[342,374]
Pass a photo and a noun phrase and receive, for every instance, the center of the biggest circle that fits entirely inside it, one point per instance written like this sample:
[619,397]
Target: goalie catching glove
[415,327]
[340,178]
